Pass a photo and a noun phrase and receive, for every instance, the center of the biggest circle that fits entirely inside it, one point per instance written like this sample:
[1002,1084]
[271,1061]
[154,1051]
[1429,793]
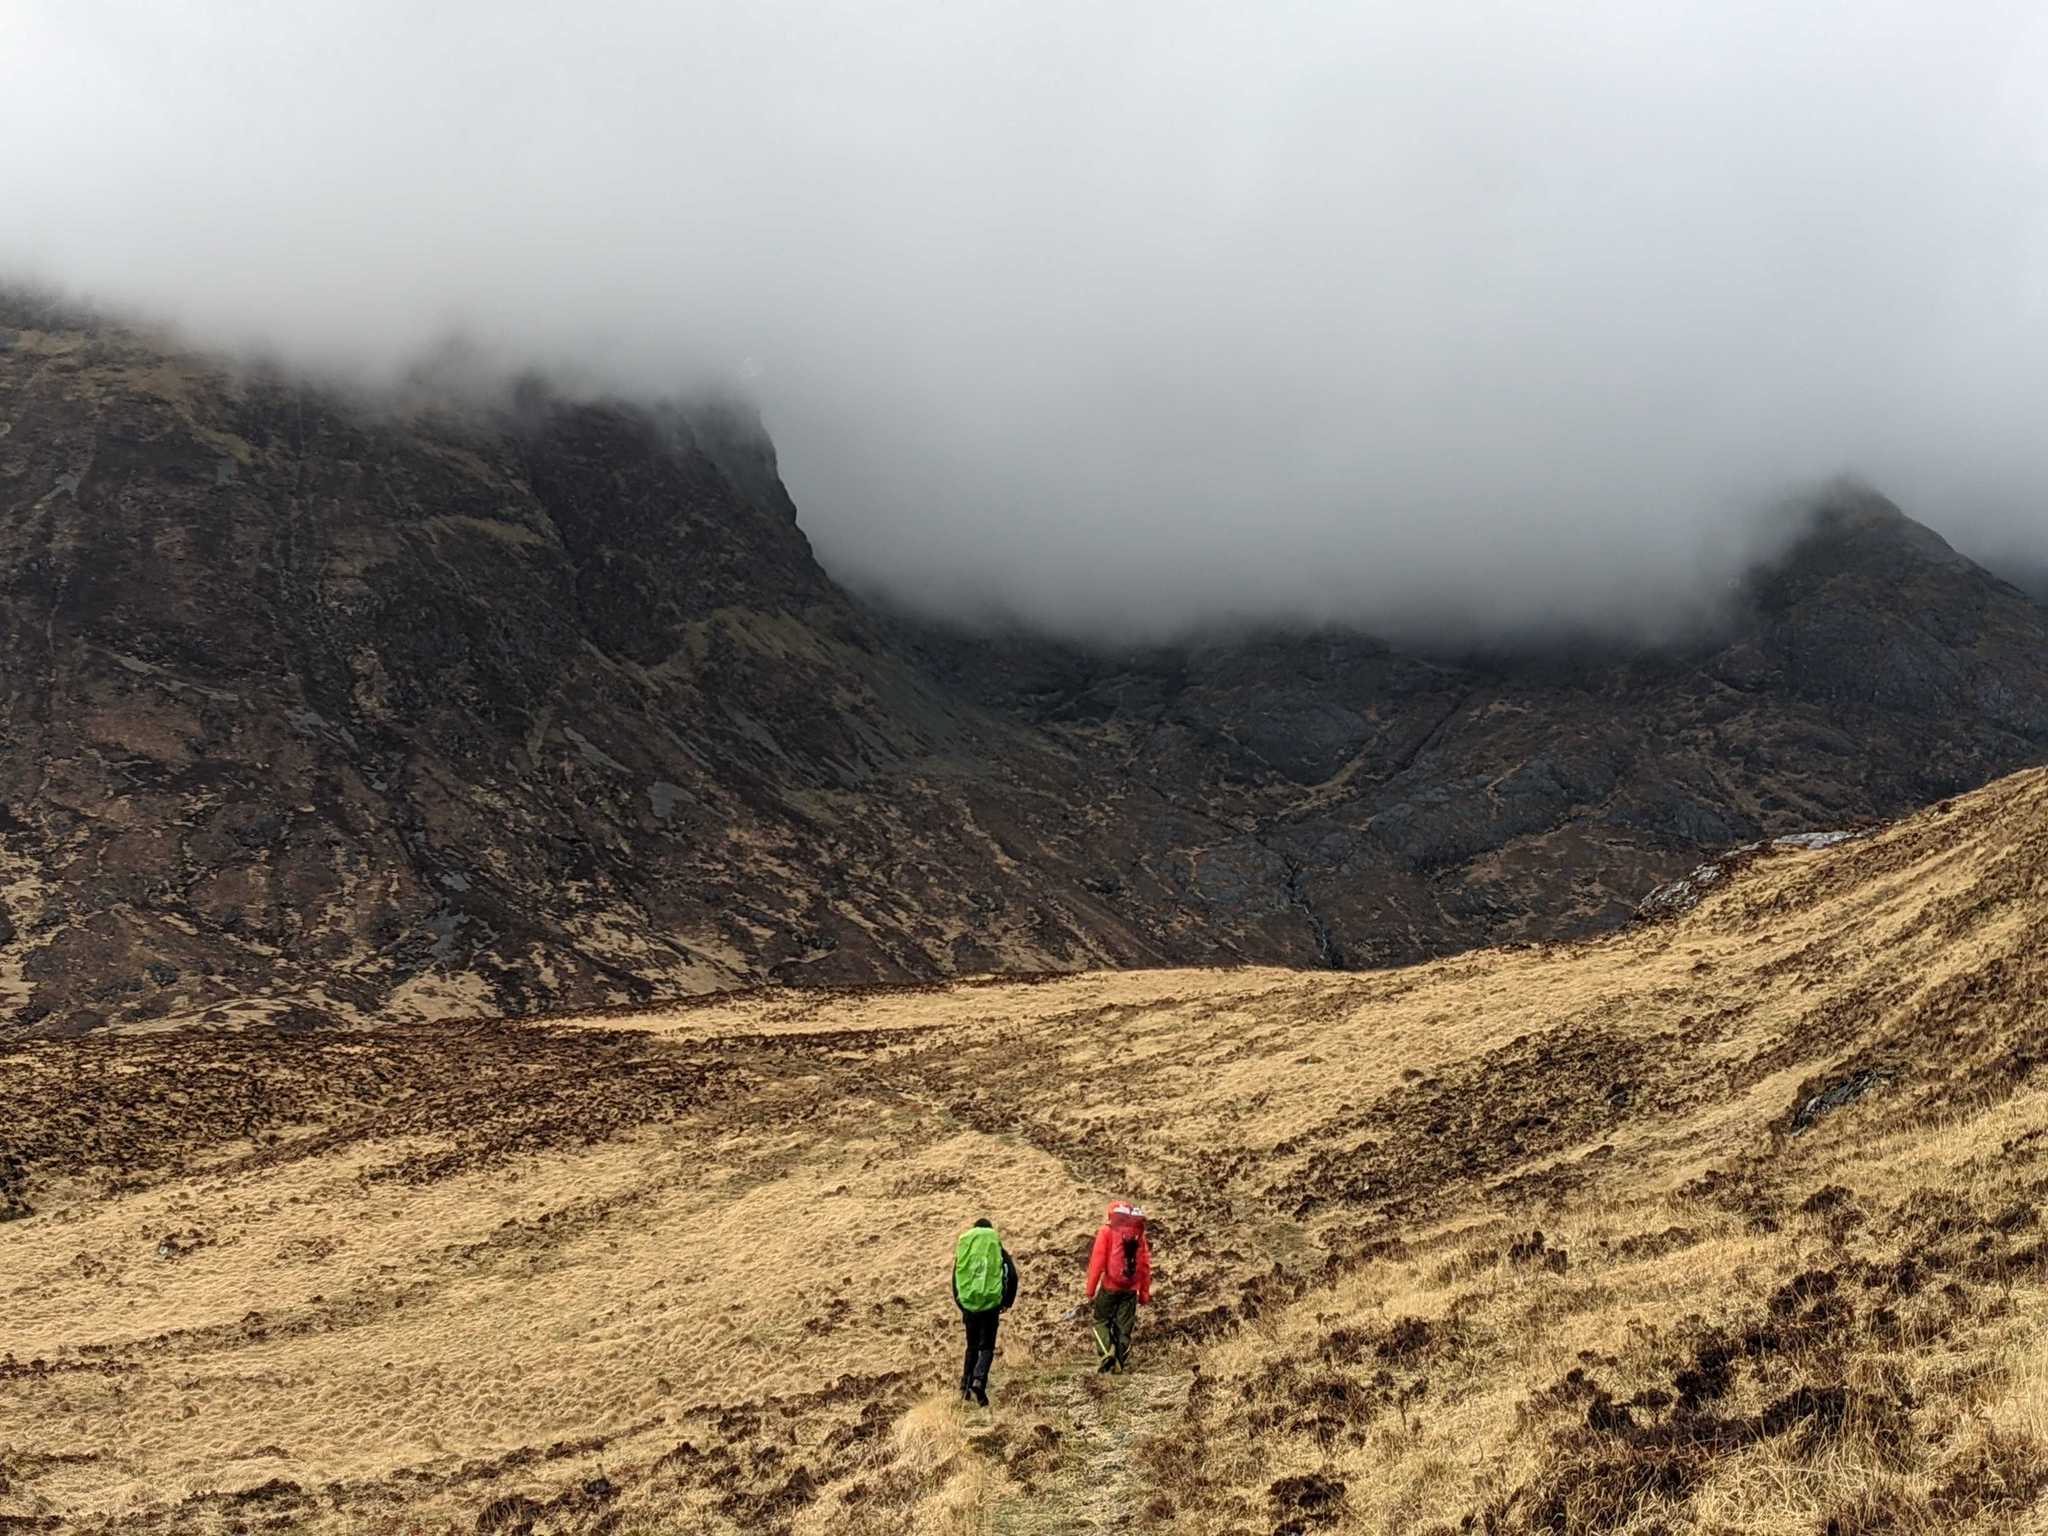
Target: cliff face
[319,710]
[1407,805]
[314,711]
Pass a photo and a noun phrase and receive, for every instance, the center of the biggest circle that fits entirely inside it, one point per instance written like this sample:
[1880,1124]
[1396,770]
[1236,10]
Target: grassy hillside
[1728,1223]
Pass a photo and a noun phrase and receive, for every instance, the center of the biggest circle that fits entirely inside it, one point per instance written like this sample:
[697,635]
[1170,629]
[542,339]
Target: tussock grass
[1539,1240]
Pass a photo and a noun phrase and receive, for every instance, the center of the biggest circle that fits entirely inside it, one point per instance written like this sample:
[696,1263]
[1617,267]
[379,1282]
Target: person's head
[984,1222]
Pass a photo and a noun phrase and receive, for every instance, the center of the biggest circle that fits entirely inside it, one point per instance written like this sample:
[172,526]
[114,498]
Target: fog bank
[1129,319]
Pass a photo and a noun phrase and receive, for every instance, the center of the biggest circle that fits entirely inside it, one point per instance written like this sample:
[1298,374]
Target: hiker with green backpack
[984,1286]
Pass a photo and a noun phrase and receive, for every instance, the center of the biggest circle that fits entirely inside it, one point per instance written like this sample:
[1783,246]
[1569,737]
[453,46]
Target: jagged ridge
[318,710]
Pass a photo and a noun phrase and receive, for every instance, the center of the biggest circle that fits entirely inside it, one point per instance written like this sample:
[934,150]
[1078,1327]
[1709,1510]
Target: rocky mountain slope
[1725,1223]
[1404,804]
[318,708]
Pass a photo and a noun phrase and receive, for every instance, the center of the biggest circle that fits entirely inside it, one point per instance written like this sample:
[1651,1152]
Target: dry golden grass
[1526,1240]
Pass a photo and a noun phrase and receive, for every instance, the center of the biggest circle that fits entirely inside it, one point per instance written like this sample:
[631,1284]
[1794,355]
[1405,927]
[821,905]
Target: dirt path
[1093,1486]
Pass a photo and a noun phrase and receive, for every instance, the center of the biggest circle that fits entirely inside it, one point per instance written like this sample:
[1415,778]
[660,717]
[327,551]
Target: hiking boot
[981,1396]
[1108,1365]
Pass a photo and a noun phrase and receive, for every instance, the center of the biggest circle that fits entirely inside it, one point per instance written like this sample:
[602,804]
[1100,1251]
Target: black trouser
[981,1348]
[1116,1314]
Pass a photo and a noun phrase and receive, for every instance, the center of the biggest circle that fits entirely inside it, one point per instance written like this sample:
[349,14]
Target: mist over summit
[326,710]
[1126,325]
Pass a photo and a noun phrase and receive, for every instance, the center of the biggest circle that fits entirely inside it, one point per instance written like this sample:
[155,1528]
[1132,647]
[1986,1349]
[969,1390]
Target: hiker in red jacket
[1119,1280]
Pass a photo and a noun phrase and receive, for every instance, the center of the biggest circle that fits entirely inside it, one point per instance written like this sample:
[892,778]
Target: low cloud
[1137,318]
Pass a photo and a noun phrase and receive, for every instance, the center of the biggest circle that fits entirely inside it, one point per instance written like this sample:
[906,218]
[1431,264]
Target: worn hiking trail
[1729,1222]
[1093,1484]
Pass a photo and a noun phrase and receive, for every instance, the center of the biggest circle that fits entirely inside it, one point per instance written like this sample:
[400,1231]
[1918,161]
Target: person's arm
[956,1287]
[1009,1280]
[1098,1262]
[1144,1272]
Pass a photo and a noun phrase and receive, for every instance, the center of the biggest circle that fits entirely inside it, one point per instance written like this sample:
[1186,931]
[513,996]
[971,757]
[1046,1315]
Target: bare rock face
[316,710]
[1418,805]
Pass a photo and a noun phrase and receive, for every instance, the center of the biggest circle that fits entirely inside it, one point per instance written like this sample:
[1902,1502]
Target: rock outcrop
[316,709]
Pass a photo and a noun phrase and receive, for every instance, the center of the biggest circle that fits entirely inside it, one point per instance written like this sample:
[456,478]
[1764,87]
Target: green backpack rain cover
[978,1269]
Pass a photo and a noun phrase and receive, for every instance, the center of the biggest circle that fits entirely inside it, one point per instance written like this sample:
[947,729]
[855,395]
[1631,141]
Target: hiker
[1119,1282]
[984,1285]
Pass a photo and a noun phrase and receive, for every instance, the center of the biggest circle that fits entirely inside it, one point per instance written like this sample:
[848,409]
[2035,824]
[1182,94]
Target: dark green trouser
[1116,1314]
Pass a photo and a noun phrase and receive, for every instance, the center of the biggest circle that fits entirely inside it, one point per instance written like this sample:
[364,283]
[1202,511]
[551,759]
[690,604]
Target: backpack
[1126,1241]
[978,1269]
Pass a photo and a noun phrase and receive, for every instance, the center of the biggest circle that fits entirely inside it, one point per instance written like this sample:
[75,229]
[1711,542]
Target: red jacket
[1098,1265]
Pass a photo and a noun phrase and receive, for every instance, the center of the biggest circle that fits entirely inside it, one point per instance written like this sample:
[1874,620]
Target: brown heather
[1726,1224]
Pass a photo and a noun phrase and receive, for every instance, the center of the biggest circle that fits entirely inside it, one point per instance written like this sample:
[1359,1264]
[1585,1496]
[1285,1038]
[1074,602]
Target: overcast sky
[1135,315]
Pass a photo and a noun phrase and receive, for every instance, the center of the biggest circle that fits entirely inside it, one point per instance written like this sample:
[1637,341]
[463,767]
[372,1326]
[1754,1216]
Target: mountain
[1726,1223]
[320,708]
[2030,577]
